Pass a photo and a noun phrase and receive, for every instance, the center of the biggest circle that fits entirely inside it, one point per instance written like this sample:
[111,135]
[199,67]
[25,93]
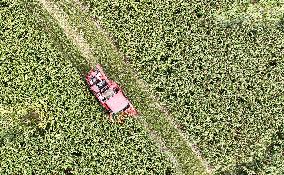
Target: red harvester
[109,93]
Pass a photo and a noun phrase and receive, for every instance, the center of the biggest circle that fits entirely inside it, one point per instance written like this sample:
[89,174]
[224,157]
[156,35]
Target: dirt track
[72,33]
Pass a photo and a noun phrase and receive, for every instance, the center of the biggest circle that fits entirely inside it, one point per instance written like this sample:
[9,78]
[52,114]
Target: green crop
[150,116]
[49,121]
[217,66]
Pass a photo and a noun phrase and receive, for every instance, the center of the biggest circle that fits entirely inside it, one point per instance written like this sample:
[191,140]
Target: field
[206,77]
[217,66]
[50,123]
[154,118]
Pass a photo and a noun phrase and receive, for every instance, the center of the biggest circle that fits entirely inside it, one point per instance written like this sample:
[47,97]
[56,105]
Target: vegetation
[150,115]
[219,68]
[49,122]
